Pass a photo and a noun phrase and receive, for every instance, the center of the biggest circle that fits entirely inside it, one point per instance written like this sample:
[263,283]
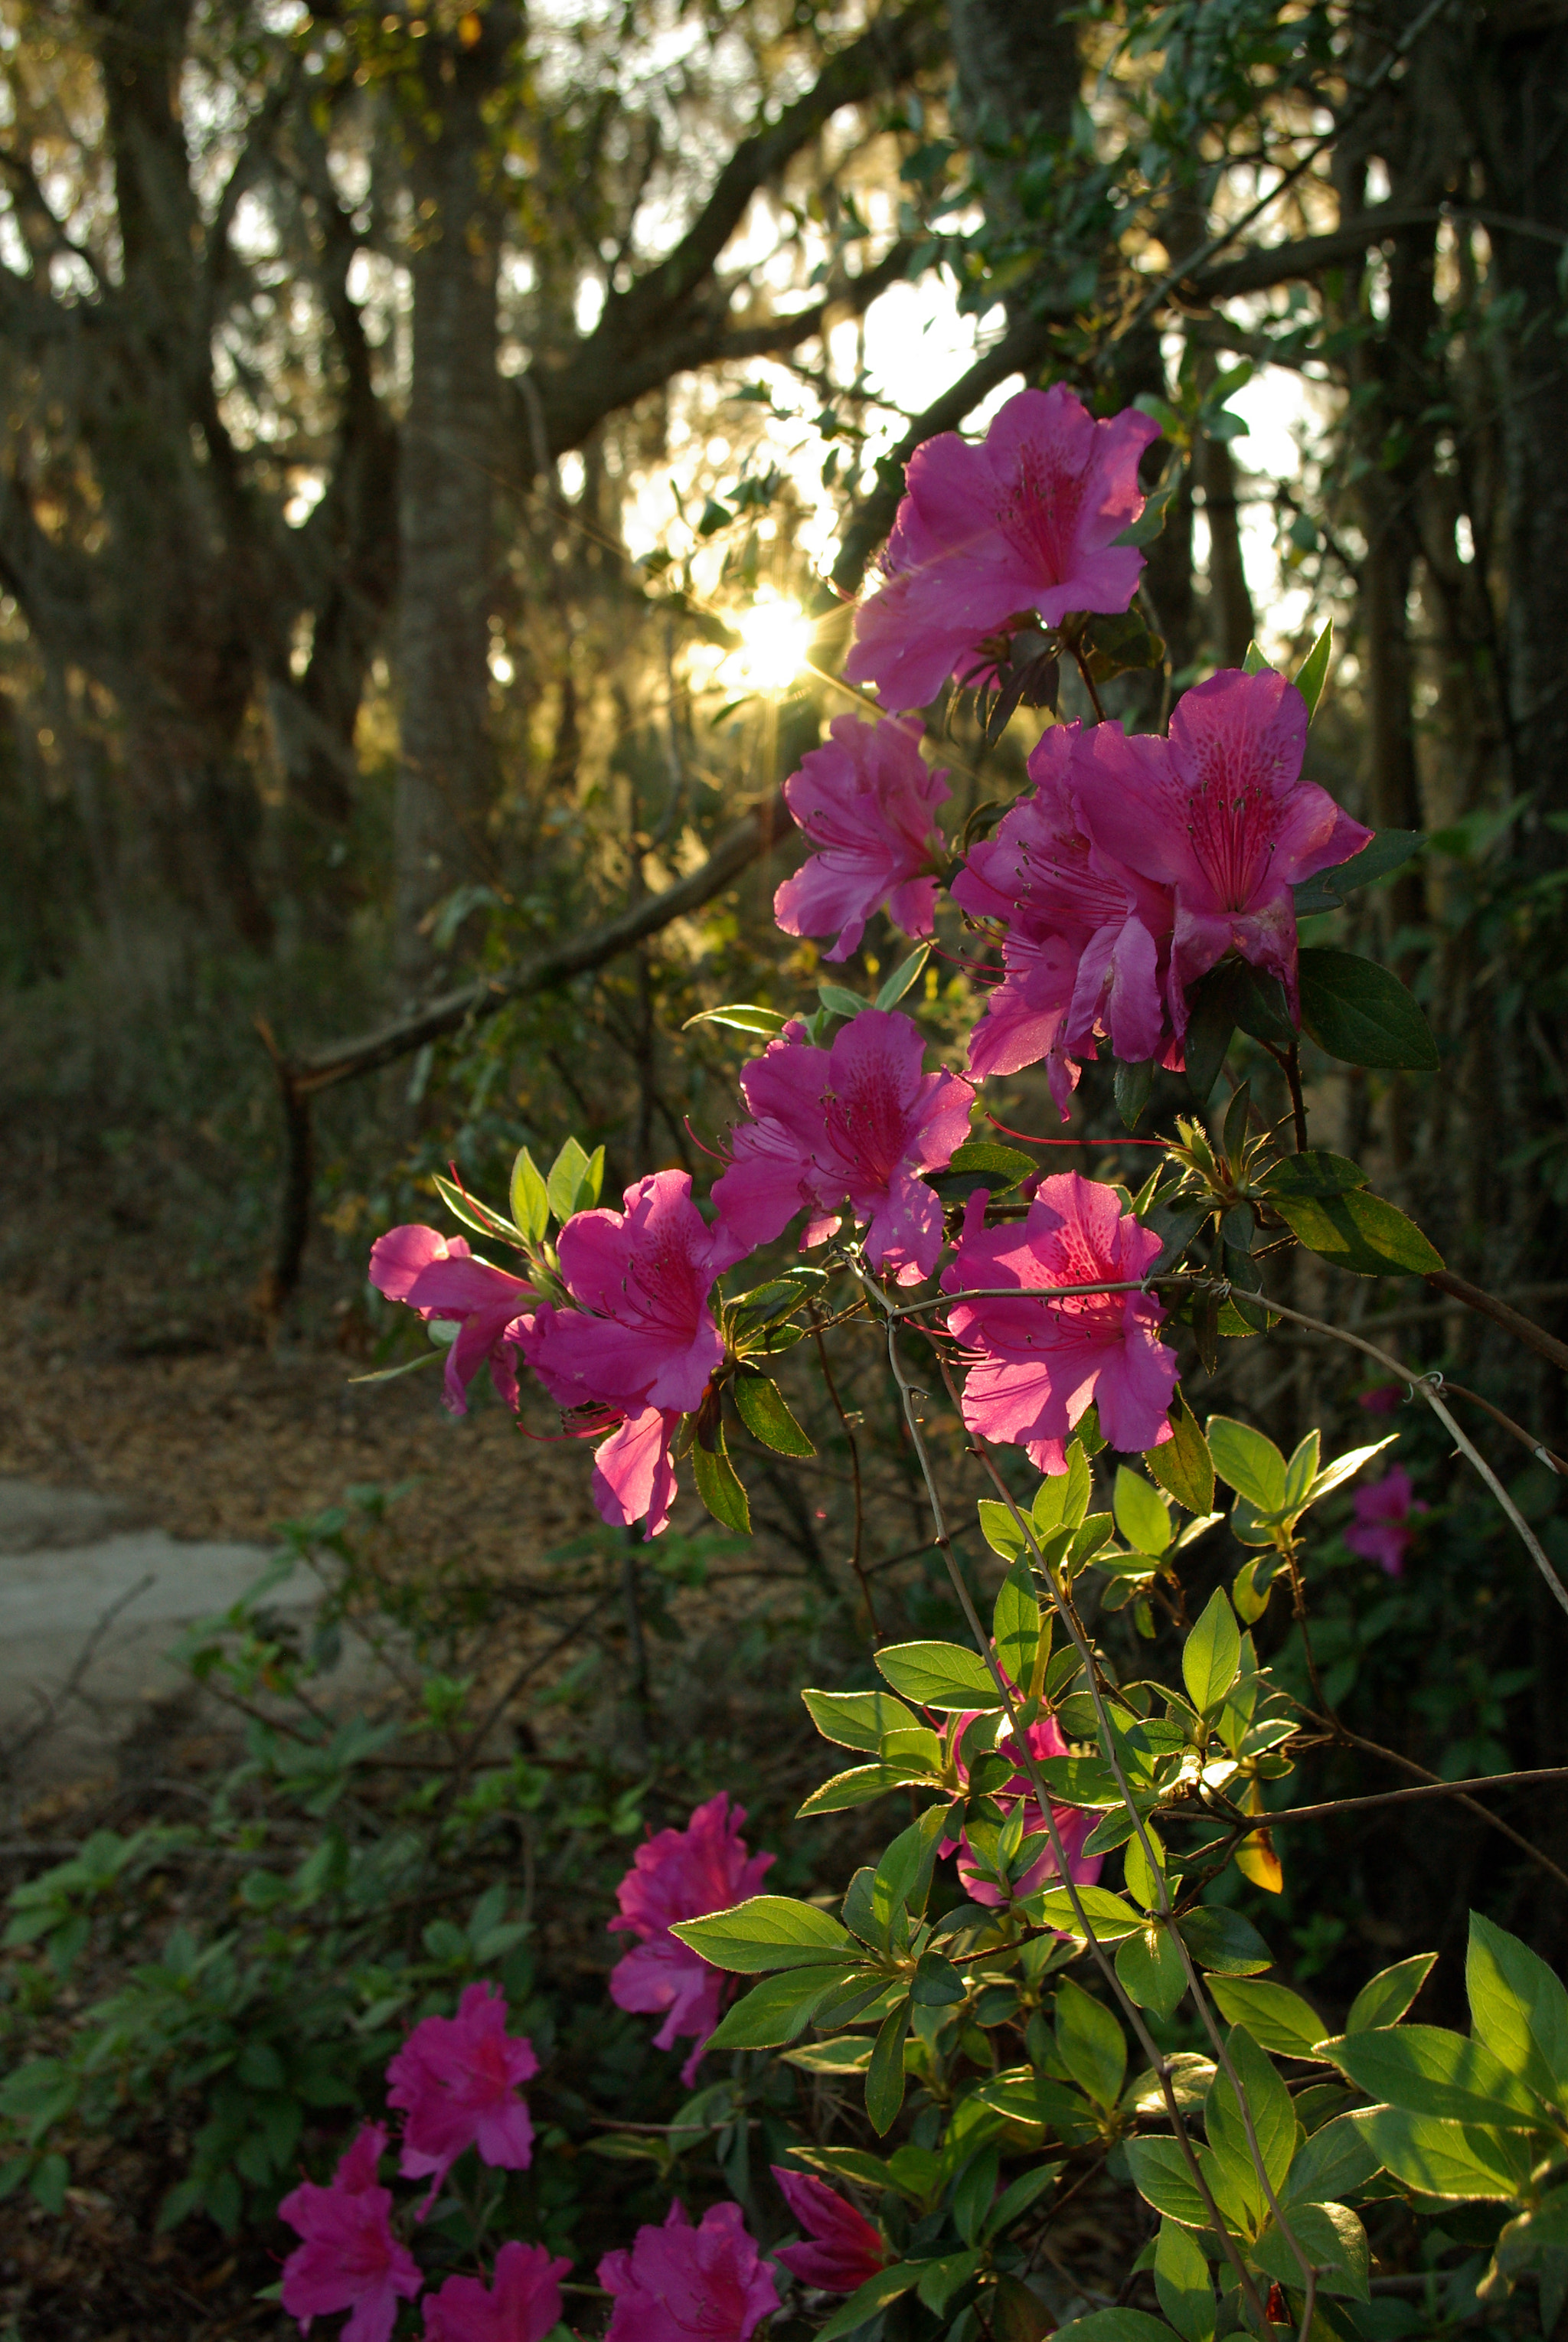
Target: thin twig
[856,1562]
[1246,1823]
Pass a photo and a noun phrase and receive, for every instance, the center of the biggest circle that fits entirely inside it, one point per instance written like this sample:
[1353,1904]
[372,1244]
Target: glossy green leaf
[1222,1941]
[1518,2008]
[719,1486]
[1151,1972]
[1091,2044]
[1312,673]
[1182,1465]
[777,2010]
[893,991]
[857,1719]
[762,1407]
[1274,2123]
[1001,1531]
[1362,1014]
[1333,2162]
[1276,2018]
[1332,2239]
[769,1931]
[1454,2159]
[1211,1655]
[1386,1998]
[1183,2282]
[1116,2326]
[981,1162]
[1015,1624]
[1344,1467]
[1062,1501]
[884,2075]
[939,1674]
[1110,1916]
[568,1175]
[1428,2070]
[1160,2176]
[840,1000]
[1251,1464]
[1389,851]
[530,1199]
[1140,1513]
[741,1016]
[859,1785]
[1360,1232]
[871,2299]
[1314,1172]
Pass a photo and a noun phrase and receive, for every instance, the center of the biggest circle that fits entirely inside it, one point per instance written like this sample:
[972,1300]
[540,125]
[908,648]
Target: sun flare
[775,643]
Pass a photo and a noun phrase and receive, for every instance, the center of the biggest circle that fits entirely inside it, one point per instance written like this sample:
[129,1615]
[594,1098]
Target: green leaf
[939,1674]
[1389,851]
[1428,2070]
[769,1931]
[1344,1467]
[1141,1514]
[980,1163]
[778,2009]
[1384,2000]
[530,1199]
[1160,2176]
[762,1407]
[1359,1232]
[1274,2117]
[1182,2281]
[1448,2158]
[1212,1655]
[1255,662]
[1151,1972]
[1313,1172]
[1109,1915]
[857,1787]
[1518,2008]
[857,1719]
[1000,1530]
[1312,673]
[873,2296]
[1182,1465]
[1116,2326]
[1015,2200]
[741,1016]
[568,1175]
[1131,1085]
[1251,1465]
[903,976]
[719,1486]
[1332,2239]
[1334,2161]
[1223,1942]
[884,2075]
[1361,1013]
[1015,1624]
[1091,2044]
[1276,2018]
[944,2276]
[850,2054]
[1062,1501]
[840,1000]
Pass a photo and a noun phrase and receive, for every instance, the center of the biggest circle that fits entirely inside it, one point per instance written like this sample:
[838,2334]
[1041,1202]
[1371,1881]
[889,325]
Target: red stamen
[1031,1139]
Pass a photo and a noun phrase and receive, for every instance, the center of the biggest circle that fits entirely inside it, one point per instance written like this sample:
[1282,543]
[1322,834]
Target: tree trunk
[1232,625]
[446,779]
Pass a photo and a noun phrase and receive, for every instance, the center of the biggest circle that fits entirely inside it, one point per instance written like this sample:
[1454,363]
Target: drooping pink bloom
[438,1277]
[1381,1400]
[456,2079]
[1036,1365]
[1024,521]
[349,2260]
[521,2306]
[845,2249]
[682,1875]
[640,1343]
[1088,944]
[681,2284]
[1220,813]
[1072,1824]
[1382,1530]
[866,800]
[854,1124]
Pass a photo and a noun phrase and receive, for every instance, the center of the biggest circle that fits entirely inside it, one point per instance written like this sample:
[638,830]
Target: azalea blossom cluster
[1131,867]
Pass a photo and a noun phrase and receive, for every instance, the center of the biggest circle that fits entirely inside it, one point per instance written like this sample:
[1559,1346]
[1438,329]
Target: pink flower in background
[349,2260]
[1024,521]
[1220,813]
[521,2306]
[642,1343]
[856,1123]
[455,2078]
[1037,1365]
[438,1277]
[681,2284]
[845,2249]
[1072,1824]
[682,1875]
[1382,1532]
[1088,944]
[866,800]
[1382,1400]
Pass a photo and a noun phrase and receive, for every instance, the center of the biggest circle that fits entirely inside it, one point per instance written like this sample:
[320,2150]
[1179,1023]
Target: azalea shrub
[1041,1974]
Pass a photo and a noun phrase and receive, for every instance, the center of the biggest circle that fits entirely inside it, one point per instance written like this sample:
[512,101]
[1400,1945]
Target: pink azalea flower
[1381,1400]
[1382,1532]
[455,2078]
[1024,521]
[1072,1824]
[867,800]
[1220,813]
[856,1123]
[1037,1365]
[438,1277]
[523,2305]
[681,2284]
[845,2249]
[682,1875]
[1088,943]
[641,1344]
[349,2260]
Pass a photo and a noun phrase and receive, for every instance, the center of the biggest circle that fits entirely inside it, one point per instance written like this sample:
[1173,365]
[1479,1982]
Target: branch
[1248,1823]
[1486,1305]
[341,1061]
[1275,264]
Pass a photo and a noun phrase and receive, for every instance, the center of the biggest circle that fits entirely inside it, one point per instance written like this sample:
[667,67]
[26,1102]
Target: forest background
[440,450]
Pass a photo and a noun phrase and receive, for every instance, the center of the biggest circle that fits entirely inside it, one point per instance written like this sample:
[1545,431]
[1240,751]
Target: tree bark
[446,777]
